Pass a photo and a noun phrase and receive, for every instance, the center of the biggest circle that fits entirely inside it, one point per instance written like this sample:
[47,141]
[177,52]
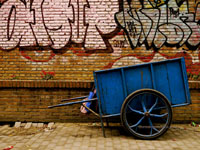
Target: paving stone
[34,124]
[71,137]
[22,124]
[50,125]
[35,145]
[28,125]
[18,145]
[3,145]
[40,125]
[4,127]
[17,124]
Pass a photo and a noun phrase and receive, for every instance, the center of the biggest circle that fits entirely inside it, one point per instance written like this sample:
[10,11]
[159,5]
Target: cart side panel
[138,78]
[169,77]
[162,79]
[176,81]
[171,81]
[110,91]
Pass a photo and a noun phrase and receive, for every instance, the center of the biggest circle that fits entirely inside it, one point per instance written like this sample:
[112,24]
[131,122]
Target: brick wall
[73,38]
[64,41]
[186,114]
[23,102]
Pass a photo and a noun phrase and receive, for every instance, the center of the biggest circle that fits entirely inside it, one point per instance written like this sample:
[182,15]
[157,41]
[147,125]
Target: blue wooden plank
[176,83]
[161,79]
[111,92]
[153,76]
[185,80]
[137,78]
[124,83]
[98,95]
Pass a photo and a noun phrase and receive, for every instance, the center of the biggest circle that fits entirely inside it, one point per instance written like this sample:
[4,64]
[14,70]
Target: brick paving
[88,136]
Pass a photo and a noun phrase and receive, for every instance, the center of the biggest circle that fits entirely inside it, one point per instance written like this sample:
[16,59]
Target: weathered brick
[97,41]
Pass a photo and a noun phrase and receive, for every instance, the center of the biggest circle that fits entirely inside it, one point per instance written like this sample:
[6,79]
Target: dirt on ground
[8,130]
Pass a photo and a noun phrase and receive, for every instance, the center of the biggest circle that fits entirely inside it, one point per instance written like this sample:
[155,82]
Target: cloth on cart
[84,110]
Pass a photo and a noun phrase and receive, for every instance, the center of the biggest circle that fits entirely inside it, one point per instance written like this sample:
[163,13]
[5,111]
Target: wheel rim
[147,114]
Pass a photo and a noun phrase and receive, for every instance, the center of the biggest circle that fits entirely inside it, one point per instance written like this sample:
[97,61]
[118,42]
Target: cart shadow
[110,131]
[173,134]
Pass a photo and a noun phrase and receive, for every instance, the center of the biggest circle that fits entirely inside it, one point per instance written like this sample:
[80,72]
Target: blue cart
[142,95]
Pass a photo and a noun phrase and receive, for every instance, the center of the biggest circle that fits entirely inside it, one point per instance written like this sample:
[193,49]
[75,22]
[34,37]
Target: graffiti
[38,56]
[57,25]
[158,23]
[147,58]
[119,43]
[63,25]
[151,57]
[76,37]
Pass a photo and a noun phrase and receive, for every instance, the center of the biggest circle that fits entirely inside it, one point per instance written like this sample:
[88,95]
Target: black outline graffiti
[70,43]
[24,2]
[127,12]
[84,20]
[47,28]
[9,36]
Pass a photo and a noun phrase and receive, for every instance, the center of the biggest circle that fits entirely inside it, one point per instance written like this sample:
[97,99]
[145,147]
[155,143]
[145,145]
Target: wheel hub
[146,114]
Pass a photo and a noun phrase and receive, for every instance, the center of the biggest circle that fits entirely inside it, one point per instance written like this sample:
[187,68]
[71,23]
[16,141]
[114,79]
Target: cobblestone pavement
[88,136]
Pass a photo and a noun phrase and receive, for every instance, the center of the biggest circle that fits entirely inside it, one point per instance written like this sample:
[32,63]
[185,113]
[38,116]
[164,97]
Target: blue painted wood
[162,79]
[124,83]
[111,91]
[137,78]
[153,77]
[169,77]
[187,92]
[176,83]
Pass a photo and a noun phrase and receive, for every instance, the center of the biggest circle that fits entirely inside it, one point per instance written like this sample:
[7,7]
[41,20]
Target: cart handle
[82,97]
[71,103]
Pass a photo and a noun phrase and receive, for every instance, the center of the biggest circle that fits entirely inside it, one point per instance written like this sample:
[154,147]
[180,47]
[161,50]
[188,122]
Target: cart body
[142,95]
[168,77]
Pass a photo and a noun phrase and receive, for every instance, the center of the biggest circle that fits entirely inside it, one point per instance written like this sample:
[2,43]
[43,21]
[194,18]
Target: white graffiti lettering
[159,23]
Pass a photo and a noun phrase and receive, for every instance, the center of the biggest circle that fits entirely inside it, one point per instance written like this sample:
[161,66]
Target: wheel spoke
[158,108]
[152,127]
[136,129]
[164,119]
[151,131]
[135,125]
[136,111]
[143,106]
[146,114]
[158,116]
[154,105]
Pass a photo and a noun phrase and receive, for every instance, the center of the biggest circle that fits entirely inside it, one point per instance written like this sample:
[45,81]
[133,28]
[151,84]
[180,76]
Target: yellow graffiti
[154,3]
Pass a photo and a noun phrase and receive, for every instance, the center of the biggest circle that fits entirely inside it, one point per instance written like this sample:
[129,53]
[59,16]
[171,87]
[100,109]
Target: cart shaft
[71,103]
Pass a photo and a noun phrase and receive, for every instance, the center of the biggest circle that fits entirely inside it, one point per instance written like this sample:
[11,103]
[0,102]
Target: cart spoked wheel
[146,114]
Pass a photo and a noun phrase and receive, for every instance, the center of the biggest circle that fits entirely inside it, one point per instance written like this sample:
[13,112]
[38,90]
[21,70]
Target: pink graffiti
[57,25]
